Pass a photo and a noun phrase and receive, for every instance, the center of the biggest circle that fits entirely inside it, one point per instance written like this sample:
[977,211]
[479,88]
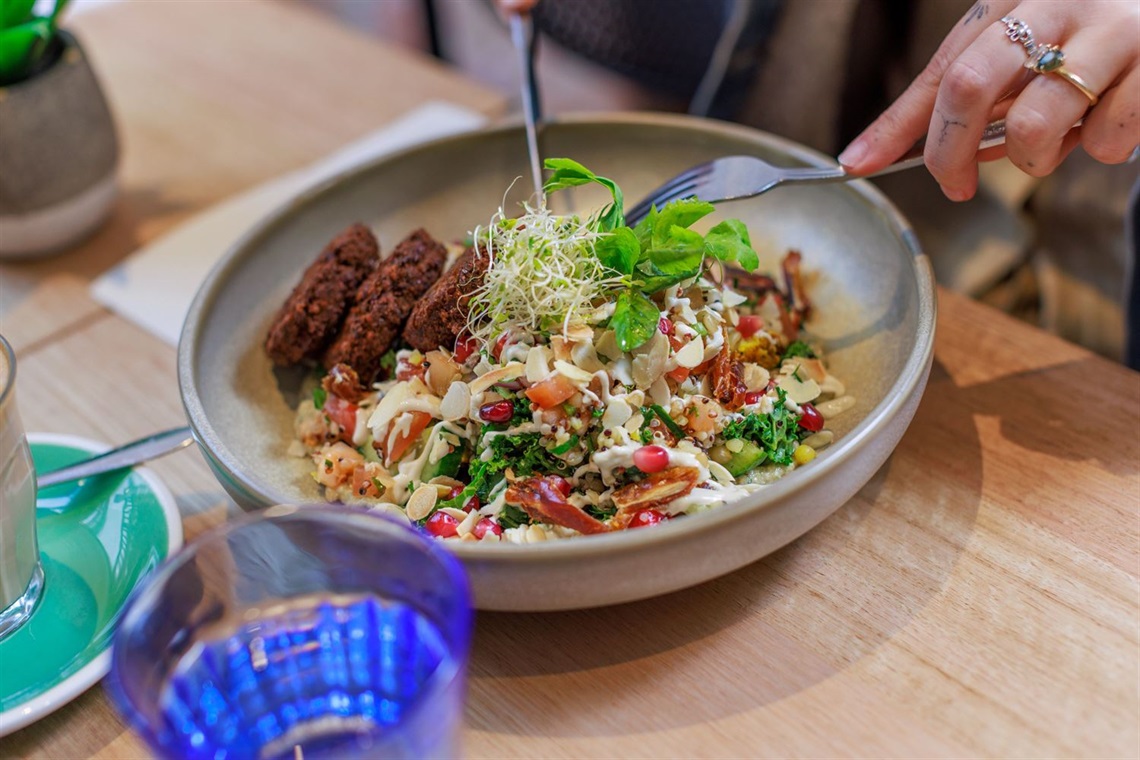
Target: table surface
[978,597]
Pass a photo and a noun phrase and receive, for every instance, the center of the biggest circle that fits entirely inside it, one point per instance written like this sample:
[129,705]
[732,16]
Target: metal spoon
[129,455]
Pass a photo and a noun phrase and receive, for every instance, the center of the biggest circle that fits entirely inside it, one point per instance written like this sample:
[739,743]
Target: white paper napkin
[154,286]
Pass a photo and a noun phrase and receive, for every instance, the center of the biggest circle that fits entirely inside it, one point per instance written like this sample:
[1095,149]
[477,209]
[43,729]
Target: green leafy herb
[570,173]
[799,348]
[320,396]
[388,362]
[634,320]
[729,242]
[796,373]
[598,412]
[618,250]
[600,513]
[776,433]
[512,517]
[663,415]
[562,448]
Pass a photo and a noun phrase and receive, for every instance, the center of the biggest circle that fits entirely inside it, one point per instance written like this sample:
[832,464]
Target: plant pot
[58,155]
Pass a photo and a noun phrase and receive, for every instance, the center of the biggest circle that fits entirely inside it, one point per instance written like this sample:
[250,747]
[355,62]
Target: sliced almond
[586,357]
[799,391]
[538,364]
[607,345]
[456,402]
[692,353]
[422,502]
[574,374]
[502,374]
[617,413]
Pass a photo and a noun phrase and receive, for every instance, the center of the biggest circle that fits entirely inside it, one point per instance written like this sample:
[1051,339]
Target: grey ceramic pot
[58,155]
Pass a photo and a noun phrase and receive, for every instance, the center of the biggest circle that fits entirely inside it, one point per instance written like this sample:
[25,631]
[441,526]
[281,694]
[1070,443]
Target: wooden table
[978,597]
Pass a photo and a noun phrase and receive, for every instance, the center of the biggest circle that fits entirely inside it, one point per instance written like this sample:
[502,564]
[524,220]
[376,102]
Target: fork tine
[642,209]
[678,187]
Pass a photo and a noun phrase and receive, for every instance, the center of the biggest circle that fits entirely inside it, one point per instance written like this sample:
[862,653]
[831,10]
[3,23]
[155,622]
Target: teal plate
[98,538]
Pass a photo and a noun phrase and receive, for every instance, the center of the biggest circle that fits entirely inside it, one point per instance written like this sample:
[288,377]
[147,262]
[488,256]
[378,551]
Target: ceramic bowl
[874,316]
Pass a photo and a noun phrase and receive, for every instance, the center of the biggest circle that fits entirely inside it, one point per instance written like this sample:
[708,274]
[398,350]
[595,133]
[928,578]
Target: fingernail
[853,154]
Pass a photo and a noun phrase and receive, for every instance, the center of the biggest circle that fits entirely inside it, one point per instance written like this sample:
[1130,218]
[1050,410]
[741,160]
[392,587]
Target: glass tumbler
[21,575]
[298,633]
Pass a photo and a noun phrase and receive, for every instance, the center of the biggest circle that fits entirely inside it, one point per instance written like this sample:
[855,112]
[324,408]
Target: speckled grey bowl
[875,316]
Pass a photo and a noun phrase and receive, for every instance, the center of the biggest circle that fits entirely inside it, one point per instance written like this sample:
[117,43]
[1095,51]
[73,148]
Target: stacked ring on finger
[1045,59]
[1018,31]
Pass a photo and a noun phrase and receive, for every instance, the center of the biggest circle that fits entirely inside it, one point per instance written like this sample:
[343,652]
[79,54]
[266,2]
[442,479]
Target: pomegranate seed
[650,459]
[500,411]
[749,325]
[442,525]
[753,397]
[643,517]
[562,484]
[665,326]
[487,525]
[811,420]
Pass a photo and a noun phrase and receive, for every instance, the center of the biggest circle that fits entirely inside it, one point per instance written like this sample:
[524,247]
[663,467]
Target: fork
[734,177]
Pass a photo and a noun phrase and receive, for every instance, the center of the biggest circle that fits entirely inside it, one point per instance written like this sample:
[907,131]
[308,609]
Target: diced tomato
[811,420]
[551,392]
[680,375]
[442,525]
[405,370]
[343,414]
[753,397]
[749,325]
[643,517]
[420,421]
[650,459]
[464,347]
[365,482]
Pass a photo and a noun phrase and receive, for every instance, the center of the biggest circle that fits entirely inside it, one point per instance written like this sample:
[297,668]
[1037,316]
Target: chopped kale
[600,513]
[799,348]
[776,433]
[512,517]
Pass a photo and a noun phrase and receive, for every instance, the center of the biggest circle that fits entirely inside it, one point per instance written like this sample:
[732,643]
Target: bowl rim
[910,378]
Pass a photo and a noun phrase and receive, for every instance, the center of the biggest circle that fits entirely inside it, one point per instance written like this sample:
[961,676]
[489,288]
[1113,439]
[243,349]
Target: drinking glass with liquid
[21,574]
[299,633]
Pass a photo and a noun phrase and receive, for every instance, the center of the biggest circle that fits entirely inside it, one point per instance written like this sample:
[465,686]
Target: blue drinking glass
[314,632]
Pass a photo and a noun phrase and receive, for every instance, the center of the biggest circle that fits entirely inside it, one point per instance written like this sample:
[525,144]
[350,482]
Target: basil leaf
[729,241]
[680,253]
[644,230]
[679,213]
[320,395]
[570,173]
[618,250]
[635,319]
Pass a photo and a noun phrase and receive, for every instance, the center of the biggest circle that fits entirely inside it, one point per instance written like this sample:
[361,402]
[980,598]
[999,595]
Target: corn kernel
[803,454]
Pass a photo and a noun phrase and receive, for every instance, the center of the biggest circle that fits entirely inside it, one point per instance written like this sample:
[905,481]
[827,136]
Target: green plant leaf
[644,230]
[680,252]
[618,250]
[635,319]
[14,12]
[679,213]
[20,45]
[729,241]
[570,173]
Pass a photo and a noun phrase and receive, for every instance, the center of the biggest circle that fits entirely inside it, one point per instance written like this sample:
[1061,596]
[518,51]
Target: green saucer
[98,538]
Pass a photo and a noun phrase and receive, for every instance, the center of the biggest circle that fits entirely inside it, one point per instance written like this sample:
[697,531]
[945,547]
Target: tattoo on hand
[977,13]
[946,124]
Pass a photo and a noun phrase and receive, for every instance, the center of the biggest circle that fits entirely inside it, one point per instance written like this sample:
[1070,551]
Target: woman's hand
[978,75]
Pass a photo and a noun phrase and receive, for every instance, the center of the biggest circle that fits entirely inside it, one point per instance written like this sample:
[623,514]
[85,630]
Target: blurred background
[1051,252]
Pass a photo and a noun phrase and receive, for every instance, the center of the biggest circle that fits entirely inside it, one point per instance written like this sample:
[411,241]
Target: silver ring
[1018,31]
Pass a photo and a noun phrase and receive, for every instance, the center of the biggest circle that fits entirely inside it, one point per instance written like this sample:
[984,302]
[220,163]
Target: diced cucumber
[738,462]
[447,465]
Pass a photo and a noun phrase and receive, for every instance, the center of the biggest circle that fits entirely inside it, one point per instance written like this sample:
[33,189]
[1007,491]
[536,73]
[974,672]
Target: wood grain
[979,597]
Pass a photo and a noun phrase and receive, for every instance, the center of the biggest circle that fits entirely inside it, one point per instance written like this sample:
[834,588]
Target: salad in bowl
[558,375]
